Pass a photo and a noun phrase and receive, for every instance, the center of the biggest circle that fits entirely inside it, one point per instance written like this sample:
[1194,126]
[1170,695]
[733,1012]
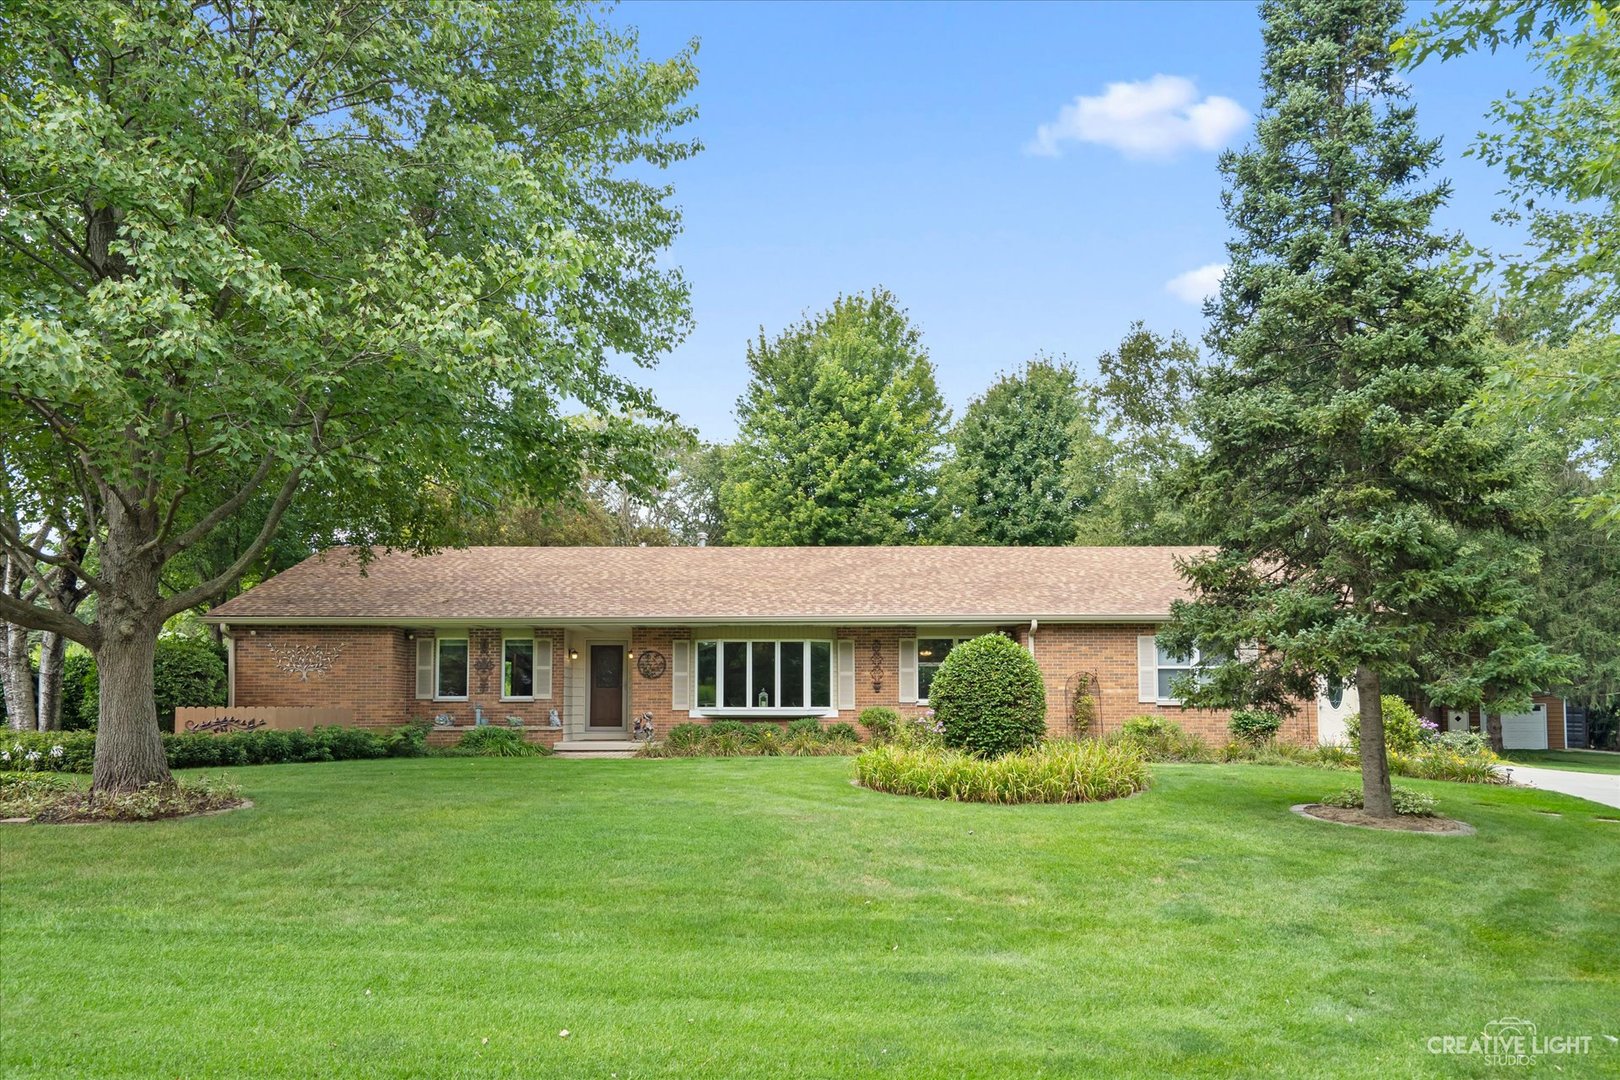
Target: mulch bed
[49,800]
[1442,826]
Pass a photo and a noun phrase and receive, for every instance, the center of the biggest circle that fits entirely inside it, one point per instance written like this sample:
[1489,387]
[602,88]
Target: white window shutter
[1147,668]
[542,667]
[908,670]
[846,673]
[680,675]
[424,667]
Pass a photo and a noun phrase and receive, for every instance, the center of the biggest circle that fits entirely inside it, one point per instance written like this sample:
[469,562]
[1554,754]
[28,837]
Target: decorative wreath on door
[650,664]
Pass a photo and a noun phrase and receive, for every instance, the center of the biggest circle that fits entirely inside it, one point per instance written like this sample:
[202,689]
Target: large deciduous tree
[364,254]
[839,432]
[1558,146]
[1143,393]
[1026,460]
[1360,510]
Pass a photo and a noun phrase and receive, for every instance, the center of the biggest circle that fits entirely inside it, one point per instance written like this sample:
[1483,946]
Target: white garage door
[1525,731]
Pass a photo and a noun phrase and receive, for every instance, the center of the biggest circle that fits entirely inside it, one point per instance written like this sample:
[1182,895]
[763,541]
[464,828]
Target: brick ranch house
[576,644]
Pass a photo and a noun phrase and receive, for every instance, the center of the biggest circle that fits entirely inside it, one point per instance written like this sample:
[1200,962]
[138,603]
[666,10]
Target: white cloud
[1154,118]
[1196,286]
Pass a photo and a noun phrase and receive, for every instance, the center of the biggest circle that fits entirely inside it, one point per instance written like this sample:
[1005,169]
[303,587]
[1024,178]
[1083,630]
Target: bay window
[770,676]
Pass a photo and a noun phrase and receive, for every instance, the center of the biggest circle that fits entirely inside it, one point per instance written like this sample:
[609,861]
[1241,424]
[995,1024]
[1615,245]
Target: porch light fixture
[573,654]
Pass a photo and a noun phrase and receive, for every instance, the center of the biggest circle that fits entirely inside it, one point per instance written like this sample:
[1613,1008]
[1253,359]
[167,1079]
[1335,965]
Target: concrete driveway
[1598,787]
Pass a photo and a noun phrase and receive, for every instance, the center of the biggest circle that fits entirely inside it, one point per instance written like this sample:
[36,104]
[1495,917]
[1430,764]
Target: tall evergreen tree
[1027,460]
[839,434]
[1360,511]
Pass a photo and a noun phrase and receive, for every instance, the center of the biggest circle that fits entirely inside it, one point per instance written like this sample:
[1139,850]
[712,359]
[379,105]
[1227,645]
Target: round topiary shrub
[988,697]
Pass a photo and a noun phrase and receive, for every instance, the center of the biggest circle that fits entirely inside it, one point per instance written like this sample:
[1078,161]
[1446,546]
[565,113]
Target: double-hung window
[450,668]
[931,652]
[1172,668]
[759,676]
[517,669]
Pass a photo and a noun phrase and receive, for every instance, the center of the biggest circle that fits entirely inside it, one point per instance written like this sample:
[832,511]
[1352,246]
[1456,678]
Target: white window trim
[438,647]
[722,711]
[534,656]
[1190,666]
[952,638]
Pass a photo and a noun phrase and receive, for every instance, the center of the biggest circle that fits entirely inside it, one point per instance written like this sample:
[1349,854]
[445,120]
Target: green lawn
[763,917]
[1599,761]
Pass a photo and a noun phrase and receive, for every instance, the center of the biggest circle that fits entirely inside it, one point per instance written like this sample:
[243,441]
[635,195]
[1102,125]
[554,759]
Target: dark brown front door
[607,686]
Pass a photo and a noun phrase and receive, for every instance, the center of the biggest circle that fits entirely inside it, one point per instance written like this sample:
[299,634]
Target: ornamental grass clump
[1055,772]
[988,697]
[494,741]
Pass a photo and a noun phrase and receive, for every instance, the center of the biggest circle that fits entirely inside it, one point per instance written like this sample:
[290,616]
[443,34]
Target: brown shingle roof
[716,584]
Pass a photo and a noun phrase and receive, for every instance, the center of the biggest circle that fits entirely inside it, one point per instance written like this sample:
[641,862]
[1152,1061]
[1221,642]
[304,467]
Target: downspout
[1033,624]
[230,666]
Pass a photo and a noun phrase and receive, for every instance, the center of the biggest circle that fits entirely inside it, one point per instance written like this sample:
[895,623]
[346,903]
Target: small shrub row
[758,740]
[1061,771]
[47,798]
[1408,803]
[804,737]
[74,751]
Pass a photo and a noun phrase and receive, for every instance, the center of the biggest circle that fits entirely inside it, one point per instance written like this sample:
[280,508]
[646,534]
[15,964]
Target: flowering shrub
[1437,762]
[47,751]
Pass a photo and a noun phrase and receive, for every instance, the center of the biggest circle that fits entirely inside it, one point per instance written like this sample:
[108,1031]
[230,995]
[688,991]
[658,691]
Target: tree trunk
[52,652]
[1375,794]
[18,679]
[1493,729]
[129,746]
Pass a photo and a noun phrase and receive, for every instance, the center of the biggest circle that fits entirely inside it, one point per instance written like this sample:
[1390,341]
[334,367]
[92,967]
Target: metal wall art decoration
[305,658]
[651,664]
[485,665]
[877,666]
[225,724]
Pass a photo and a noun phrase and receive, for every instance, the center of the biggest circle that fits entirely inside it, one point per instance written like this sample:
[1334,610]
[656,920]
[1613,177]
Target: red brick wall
[373,672]
[1066,653]
[654,695]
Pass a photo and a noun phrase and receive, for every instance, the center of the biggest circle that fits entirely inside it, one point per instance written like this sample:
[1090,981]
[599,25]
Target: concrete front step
[596,748]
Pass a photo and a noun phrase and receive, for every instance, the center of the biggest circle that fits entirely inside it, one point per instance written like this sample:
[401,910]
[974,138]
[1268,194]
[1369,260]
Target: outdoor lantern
[573,654]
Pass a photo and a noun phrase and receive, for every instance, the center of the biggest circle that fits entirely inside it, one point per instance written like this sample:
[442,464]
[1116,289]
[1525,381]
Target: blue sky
[855,145]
